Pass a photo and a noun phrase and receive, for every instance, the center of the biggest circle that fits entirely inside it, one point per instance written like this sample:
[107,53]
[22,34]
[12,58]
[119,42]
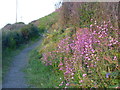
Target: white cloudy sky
[28,10]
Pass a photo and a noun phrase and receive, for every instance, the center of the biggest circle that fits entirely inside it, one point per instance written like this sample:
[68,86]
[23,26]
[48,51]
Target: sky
[27,11]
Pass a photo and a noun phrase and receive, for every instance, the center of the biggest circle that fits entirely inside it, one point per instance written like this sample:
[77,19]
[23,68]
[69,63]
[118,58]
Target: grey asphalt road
[15,77]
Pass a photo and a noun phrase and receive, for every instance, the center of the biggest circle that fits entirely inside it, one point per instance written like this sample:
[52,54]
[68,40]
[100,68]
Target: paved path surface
[15,77]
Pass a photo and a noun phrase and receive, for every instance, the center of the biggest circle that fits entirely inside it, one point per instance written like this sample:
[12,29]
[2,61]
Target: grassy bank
[82,53]
[39,75]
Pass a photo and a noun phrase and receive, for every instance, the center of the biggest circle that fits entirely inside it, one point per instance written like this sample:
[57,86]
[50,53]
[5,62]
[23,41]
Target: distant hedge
[13,39]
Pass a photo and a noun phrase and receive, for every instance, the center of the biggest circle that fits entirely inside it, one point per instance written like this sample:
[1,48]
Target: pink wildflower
[81,80]
[84,75]
[60,64]
[91,25]
[61,68]
[67,84]
[115,58]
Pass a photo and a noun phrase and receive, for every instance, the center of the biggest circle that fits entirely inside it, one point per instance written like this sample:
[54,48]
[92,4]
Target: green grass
[46,22]
[39,75]
[9,55]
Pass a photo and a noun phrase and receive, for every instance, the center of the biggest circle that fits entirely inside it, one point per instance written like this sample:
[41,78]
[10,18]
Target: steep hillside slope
[81,48]
[46,22]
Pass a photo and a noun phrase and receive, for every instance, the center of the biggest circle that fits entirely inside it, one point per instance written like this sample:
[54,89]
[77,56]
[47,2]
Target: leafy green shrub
[14,39]
[29,32]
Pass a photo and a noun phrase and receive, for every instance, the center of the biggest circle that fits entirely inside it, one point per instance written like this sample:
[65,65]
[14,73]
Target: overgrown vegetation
[81,48]
[14,40]
[38,74]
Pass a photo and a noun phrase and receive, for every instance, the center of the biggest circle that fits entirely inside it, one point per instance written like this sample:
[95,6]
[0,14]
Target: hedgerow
[14,38]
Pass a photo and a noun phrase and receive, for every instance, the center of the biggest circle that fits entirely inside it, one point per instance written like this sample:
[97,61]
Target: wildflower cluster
[86,57]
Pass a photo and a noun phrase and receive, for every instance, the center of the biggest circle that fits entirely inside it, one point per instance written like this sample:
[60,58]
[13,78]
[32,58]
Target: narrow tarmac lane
[15,77]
